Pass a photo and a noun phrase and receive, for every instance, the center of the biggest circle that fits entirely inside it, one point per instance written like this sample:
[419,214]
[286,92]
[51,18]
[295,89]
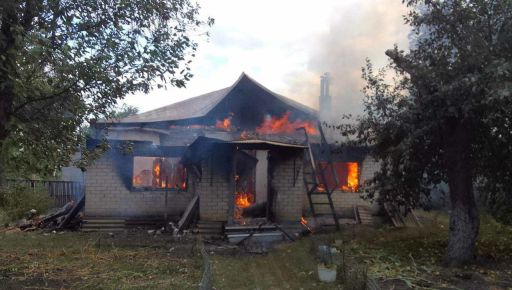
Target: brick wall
[368,169]
[107,195]
[216,188]
[288,186]
[344,201]
[215,191]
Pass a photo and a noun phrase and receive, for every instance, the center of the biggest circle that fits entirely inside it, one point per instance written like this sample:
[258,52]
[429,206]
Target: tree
[65,62]
[124,111]
[446,115]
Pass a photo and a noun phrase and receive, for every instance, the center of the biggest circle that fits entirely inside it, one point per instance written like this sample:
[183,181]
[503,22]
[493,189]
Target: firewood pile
[64,218]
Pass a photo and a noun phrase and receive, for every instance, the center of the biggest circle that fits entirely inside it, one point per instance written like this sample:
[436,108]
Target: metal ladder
[315,176]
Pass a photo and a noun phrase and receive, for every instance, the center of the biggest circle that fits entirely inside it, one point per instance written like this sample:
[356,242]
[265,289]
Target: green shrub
[17,200]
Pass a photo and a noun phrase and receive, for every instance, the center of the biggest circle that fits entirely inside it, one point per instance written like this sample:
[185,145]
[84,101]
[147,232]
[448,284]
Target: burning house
[237,154]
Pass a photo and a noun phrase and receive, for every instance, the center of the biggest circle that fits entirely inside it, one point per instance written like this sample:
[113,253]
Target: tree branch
[45,98]
[29,14]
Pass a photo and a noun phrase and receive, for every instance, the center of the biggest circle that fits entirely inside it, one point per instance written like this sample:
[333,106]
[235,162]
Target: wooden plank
[356,214]
[262,237]
[209,226]
[392,215]
[187,216]
[74,211]
[248,228]
[365,215]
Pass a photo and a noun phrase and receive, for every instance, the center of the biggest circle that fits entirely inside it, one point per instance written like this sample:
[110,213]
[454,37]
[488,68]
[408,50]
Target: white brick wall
[107,195]
[368,169]
[344,201]
[214,190]
[289,189]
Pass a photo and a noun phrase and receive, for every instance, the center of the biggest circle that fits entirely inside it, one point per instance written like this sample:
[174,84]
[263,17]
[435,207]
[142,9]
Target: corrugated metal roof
[200,106]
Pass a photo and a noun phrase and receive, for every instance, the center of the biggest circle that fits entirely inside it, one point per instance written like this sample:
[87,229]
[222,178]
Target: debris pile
[64,218]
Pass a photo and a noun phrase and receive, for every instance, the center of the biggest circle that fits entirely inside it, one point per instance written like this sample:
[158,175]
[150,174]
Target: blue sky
[287,44]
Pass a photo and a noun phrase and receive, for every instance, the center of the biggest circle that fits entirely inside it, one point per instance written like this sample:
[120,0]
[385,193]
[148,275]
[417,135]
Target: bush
[17,200]
[499,206]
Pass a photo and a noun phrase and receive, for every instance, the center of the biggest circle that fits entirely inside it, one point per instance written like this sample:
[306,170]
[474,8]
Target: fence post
[207,279]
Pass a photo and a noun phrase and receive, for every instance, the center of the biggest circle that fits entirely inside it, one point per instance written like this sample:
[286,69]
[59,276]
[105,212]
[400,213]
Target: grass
[407,256]
[411,256]
[289,266]
[414,255]
[94,261]
[4,218]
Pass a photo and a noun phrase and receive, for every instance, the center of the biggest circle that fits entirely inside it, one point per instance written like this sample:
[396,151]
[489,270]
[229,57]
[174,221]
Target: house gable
[246,100]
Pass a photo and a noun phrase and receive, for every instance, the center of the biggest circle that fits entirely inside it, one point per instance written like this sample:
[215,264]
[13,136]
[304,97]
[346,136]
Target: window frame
[156,189]
[341,185]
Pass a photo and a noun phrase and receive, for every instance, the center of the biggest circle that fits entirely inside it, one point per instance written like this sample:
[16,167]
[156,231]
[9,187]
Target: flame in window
[156,173]
[352,177]
[159,172]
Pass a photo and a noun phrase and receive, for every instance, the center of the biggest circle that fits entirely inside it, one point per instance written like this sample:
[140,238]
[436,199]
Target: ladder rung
[311,169]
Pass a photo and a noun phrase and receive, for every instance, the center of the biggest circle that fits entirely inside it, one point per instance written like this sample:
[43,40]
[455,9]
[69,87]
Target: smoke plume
[353,35]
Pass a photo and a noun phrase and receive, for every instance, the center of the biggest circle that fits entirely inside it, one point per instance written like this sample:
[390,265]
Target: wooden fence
[61,192]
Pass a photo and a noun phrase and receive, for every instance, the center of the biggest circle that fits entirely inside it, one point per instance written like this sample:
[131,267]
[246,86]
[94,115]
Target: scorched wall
[107,195]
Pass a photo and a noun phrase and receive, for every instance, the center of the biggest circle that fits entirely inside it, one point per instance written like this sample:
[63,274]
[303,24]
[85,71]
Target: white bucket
[327,274]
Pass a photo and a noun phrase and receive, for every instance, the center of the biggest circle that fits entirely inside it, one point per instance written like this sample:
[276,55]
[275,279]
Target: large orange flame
[352,177]
[156,174]
[244,199]
[283,125]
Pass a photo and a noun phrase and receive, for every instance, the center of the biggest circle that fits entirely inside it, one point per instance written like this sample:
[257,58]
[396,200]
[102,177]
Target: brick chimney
[325,98]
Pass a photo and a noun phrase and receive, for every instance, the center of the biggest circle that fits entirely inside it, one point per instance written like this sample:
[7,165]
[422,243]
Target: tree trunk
[464,217]
[7,74]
